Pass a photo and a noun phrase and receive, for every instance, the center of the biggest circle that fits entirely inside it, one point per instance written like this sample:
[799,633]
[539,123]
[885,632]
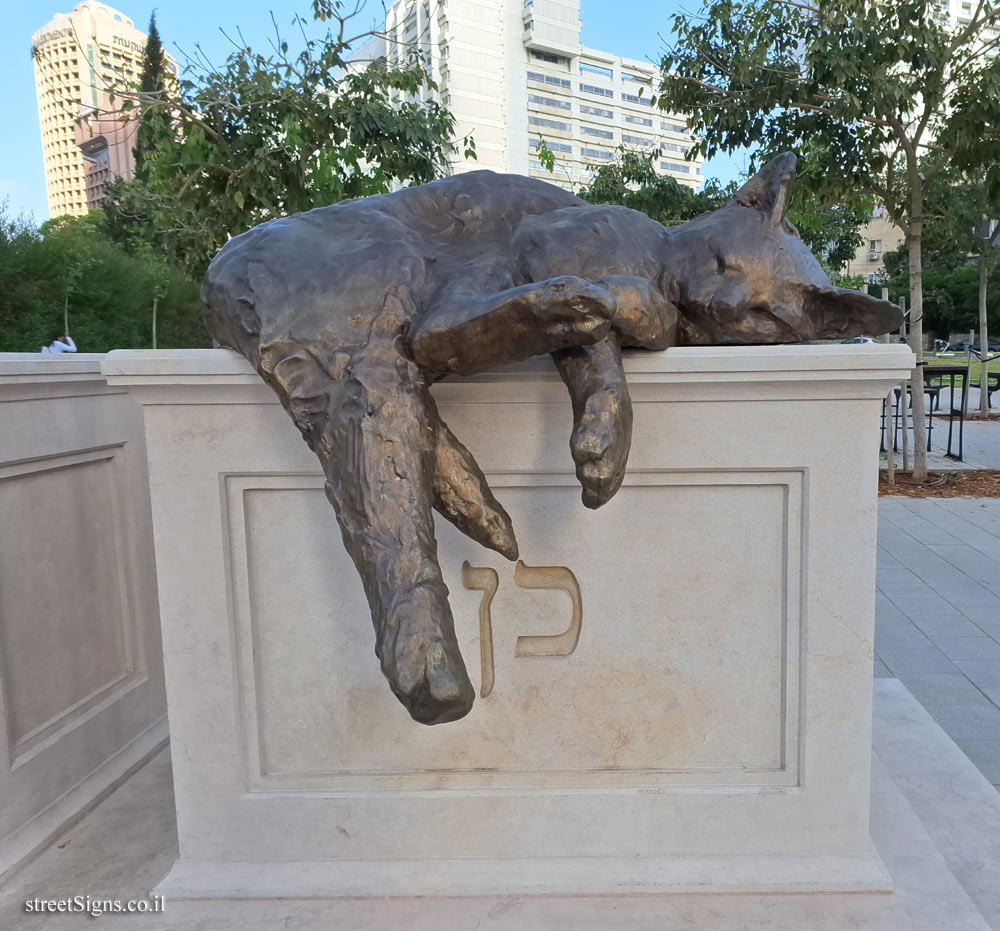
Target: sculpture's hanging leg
[602,417]
[375,429]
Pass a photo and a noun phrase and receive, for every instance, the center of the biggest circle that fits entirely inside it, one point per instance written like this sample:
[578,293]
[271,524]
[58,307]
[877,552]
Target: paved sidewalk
[980,447]
[937,614]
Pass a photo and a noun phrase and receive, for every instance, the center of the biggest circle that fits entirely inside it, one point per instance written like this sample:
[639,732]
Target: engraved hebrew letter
[551,577]
[485,580]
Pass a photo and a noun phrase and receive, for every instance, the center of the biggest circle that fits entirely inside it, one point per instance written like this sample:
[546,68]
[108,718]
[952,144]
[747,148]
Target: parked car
[859,339]
[963,346]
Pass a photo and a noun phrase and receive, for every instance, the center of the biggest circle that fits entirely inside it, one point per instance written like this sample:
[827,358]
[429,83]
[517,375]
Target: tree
[631,180]
[958,259]
[152,92]
[830,231]
[877,96]
[69,270]
[268,135]
[958,211]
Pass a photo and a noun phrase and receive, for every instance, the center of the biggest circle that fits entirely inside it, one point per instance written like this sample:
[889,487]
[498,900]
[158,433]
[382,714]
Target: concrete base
[528,875]
[935,821]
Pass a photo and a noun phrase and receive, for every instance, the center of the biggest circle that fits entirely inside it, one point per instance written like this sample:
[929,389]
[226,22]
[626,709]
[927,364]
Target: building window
[596,153]
[676,166]
[634,77]
[548,79]
[635,98]
[552,146]
[636,140]
[549,102]
[638,120]
[674,127]
[549,124]
[874,245]
[551,59]
[599,133]
[673,147]
[598,91]
[596,69]
[596,111]
[529,24]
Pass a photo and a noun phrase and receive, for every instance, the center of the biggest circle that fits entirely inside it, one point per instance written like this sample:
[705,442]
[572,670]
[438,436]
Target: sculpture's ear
[768,190]
[837,313]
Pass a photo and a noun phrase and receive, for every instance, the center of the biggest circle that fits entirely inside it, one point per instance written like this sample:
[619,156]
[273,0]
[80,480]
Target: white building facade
[514,72]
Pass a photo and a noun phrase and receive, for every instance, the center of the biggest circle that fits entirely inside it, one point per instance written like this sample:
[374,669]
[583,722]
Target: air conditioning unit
[874,256]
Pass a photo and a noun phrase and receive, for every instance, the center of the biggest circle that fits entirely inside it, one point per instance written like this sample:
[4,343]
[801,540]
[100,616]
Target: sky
[631,28]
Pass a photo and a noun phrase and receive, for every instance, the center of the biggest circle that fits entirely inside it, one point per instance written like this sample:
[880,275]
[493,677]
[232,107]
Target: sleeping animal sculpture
[351,312]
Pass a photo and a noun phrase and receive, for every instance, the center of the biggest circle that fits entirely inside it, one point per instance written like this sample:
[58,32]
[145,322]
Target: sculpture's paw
[570,304]
[600,445]
[422,661]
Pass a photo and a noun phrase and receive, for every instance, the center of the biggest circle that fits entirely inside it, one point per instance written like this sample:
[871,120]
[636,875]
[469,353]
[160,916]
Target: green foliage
[952,248]
[546,157]
[854,282]
[831,231]
[108,291]
[859,87]
[153,119]
[951,293]
[955,206]
[631,180]
[266,135]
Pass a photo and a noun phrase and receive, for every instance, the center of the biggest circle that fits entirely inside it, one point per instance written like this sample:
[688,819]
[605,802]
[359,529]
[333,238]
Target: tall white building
[514,72]
[80,58]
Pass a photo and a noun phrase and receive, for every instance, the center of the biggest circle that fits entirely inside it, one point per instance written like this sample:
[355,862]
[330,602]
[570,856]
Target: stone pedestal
[81,679]
[709,728]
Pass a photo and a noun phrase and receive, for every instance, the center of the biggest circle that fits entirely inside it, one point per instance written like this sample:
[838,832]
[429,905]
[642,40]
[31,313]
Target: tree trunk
[154,322]
[66,314]
[984,344]
[913,242]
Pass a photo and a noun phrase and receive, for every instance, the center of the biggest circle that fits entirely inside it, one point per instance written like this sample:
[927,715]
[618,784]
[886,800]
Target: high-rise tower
[80,58]
[514,72]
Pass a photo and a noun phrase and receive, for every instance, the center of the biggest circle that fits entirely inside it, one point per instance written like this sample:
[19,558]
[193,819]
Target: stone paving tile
[885,620]
[943,689]
[977,648]
[937,614]
[881,671]
[916,659]
[982,614]
[899,638]
[984,674]
[972,595]
[968,722]
[986,755]
[948,626]
[933,605]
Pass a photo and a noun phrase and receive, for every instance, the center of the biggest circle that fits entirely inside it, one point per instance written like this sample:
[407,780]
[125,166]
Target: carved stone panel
[634,645]
[61,572]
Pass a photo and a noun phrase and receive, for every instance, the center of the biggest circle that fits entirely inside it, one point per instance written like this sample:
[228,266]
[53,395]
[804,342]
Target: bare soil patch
[982,484]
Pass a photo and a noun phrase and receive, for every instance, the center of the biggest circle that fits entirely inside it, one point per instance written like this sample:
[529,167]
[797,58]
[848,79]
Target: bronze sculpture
[351,312]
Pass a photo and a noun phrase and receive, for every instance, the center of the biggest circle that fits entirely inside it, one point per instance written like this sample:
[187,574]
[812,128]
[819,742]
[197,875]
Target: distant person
[58,345]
